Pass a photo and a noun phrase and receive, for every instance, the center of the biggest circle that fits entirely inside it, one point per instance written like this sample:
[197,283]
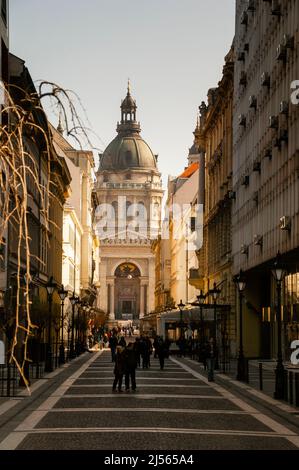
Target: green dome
[127,151]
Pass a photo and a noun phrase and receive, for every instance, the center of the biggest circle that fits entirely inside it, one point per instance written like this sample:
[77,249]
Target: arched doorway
[127,292]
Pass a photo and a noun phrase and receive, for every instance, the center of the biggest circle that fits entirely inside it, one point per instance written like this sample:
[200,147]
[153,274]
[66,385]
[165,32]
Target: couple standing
[125,364]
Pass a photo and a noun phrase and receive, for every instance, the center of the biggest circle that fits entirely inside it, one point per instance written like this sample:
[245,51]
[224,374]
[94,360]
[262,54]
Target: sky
[172,50]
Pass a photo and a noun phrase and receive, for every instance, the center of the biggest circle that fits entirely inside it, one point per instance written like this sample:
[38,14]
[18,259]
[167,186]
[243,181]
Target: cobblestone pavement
[174,409]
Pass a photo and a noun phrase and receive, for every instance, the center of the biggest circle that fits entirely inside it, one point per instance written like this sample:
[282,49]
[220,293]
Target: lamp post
[201,299]
[78,331]
[181,306]
[62,294]
[241,371]
[279,274]
[50,286]
[83,342]
[73,300]
[214,293]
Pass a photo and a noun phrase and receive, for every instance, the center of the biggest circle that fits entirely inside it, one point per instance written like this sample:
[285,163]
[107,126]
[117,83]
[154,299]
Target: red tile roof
[190,170]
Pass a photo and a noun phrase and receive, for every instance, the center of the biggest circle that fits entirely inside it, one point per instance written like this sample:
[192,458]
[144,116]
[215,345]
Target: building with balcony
[214,138]
[265,208]
[80,244]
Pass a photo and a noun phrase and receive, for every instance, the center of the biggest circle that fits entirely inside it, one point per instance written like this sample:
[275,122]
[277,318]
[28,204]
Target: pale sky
[172,51]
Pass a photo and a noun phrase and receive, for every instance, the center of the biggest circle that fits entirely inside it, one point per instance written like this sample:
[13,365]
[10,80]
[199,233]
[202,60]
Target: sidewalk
[251,391]
[7,403]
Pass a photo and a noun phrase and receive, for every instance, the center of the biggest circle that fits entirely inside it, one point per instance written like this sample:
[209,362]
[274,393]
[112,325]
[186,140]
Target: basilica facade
[129,191]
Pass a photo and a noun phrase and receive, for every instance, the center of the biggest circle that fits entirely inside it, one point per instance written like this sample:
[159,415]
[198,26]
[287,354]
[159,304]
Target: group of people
[125,365]
[205,351]
[127,358]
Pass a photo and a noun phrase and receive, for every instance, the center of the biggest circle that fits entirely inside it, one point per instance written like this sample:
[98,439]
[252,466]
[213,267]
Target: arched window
[127,270]
[141,210]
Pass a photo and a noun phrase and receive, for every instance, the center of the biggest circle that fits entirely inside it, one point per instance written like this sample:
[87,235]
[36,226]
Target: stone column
[151,285]
[112,313]
[141,314]
[103,298]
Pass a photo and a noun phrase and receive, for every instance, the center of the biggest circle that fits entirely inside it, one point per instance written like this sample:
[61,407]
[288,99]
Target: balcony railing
[130,185]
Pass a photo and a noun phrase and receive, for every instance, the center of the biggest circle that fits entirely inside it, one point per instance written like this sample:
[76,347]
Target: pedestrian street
[175,408]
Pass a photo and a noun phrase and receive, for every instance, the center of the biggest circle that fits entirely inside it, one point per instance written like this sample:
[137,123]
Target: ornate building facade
[129,188]
[265,215]
[214,140]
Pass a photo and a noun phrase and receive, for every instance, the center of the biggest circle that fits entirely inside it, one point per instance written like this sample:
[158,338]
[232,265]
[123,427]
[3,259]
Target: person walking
[211,353]
[119,369]
[112,345]
[122,342]
[156,346]
[161,349]
[137,350]
[181,342]
[130,366]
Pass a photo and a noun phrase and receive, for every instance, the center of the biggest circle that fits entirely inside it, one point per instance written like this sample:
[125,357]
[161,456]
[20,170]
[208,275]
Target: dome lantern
[128,107]
[128,149]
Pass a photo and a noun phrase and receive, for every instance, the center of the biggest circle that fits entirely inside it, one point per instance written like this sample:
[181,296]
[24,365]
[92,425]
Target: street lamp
[201,299]
[181,306]
[50,286]
[83,342]
[62,294]
[73,300]
[215,293]
[78,330]
[279,274]
[240,283]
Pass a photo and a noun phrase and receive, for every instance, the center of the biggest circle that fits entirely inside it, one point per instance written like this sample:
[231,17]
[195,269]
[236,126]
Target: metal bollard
[261,375]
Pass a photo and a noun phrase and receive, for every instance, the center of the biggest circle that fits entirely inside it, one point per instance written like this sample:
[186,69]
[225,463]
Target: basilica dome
[128,149]
[127,152]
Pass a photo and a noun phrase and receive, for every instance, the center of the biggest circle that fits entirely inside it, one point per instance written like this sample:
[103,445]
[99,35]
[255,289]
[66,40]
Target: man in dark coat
[112,345]
[119,368]
[162,351]
[130,366]
[211,354]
